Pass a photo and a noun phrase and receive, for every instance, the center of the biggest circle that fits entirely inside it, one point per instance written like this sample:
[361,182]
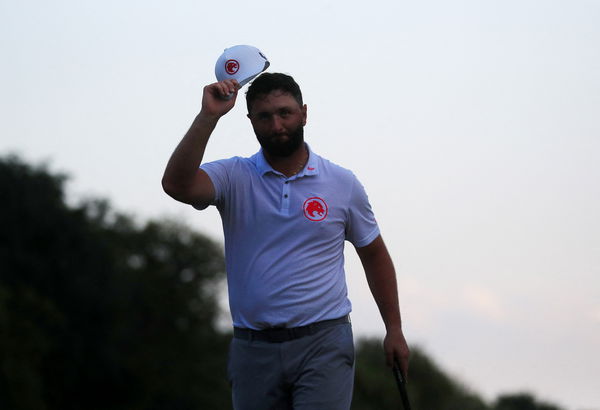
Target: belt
[285,334]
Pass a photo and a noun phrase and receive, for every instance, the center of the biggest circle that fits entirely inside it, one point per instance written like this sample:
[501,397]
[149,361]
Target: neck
[291,164]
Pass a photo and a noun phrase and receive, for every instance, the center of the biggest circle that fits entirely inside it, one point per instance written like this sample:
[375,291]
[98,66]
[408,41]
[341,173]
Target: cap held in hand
[241,63]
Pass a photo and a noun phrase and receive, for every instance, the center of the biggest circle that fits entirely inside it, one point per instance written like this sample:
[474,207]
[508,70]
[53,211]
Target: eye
[284,112]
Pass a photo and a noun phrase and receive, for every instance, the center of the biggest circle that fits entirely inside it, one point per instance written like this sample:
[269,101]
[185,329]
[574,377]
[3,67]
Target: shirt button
[287,182]
[285,196]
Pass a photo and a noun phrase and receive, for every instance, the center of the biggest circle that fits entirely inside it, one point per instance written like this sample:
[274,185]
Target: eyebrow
[276,110]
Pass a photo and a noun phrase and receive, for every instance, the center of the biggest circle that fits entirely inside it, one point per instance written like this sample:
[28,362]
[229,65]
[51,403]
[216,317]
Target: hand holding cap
[241,63]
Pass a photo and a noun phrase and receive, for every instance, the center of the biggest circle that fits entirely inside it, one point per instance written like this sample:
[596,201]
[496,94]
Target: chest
[310,203]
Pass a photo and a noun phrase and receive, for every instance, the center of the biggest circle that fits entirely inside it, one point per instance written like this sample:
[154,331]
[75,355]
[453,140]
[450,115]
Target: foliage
[521,401]
[96,312]
[428,387]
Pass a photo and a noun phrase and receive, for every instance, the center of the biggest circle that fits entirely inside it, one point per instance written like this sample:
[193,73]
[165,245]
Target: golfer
[286,213]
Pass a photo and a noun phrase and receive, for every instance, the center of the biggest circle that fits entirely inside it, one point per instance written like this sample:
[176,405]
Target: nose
[277,124]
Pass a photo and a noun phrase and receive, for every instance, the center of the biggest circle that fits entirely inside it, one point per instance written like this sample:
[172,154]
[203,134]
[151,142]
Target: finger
[215,89]
[228,92]
[402,361]
[228,87]
[232,84]
[223,89]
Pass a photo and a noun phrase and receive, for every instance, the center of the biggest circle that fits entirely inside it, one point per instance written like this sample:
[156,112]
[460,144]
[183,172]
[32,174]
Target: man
[286,213]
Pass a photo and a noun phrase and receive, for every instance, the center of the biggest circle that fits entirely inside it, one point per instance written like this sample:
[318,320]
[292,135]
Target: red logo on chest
[315,209]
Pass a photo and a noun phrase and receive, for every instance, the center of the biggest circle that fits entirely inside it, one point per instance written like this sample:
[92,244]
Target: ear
[304,111]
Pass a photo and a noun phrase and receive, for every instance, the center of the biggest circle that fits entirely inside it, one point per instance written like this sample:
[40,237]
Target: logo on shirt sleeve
[315,209]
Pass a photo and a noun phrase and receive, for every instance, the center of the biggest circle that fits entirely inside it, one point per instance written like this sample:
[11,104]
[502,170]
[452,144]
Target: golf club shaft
[401,386]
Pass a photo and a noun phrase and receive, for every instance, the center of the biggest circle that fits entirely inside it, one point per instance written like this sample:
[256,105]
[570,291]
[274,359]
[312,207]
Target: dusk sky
[473,124]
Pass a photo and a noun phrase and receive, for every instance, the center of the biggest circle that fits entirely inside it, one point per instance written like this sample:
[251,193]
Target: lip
[280,137]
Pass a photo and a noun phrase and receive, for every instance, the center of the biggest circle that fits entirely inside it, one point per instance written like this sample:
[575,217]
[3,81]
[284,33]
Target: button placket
[285,197]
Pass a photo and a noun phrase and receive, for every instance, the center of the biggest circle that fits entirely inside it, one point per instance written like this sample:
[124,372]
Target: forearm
[187,157]
[181,179]
[381,277]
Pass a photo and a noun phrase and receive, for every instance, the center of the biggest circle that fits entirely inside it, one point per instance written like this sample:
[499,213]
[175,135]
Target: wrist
[393,327]
[207,119]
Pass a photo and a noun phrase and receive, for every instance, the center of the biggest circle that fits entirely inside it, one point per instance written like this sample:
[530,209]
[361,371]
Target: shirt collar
[311,167]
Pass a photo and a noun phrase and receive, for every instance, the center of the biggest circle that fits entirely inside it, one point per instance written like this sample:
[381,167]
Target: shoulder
[330,169]
[343,180]
[230,165]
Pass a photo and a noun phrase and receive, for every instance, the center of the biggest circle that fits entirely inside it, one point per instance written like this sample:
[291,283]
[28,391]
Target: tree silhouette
[428,387]
[521,401]
[97,312]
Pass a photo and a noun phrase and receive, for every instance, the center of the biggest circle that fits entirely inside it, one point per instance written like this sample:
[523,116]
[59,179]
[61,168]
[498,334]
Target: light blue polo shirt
[284,238]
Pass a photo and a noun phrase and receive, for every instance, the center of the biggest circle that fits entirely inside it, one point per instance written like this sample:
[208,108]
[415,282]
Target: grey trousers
[313,372]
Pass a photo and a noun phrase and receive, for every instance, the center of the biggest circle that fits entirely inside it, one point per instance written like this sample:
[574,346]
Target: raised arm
[183,179]
[381,277]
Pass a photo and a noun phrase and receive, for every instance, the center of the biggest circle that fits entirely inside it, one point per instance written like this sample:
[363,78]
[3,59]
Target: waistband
[285,334]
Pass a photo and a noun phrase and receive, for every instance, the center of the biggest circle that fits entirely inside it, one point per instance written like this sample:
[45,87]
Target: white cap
[241,63]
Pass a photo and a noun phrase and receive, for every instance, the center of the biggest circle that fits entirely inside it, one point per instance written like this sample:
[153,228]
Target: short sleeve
[361,228]
[219,174]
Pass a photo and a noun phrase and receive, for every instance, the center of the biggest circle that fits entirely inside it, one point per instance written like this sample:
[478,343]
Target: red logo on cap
[315,209]
[232,67]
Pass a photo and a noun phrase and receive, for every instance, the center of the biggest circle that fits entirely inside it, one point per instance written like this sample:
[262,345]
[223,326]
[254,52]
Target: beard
[275,147]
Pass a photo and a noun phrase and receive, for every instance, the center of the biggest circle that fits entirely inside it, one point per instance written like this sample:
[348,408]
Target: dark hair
[267,82]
